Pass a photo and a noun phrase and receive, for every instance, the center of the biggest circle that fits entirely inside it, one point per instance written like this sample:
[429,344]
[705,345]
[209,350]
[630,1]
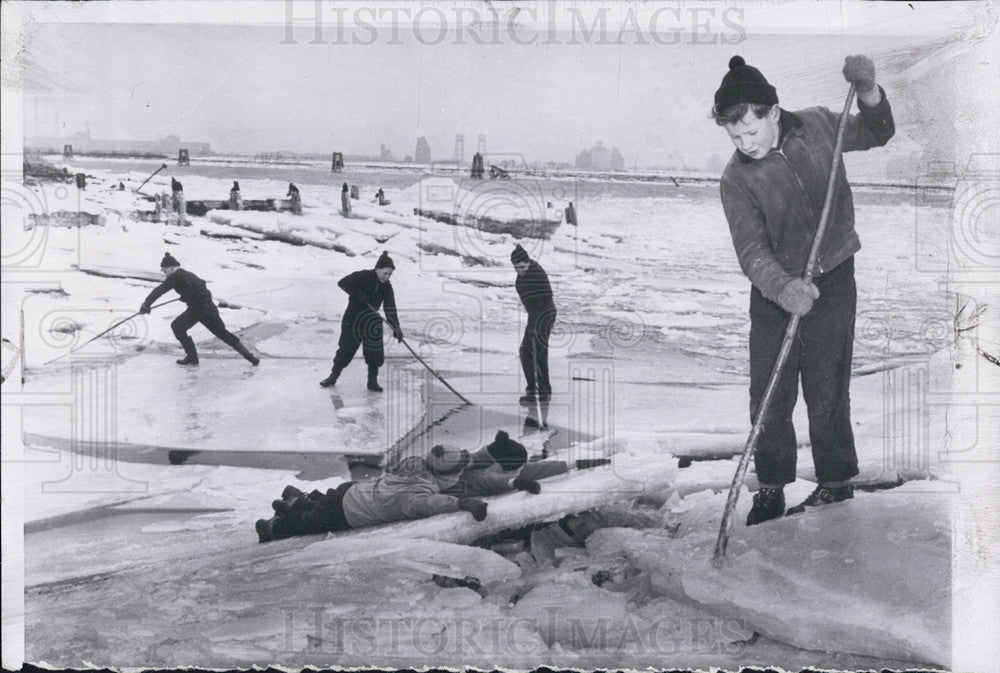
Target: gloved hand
[474,506]
[397,333]
[798,297]
[144,309]
[860,71]
[529,485]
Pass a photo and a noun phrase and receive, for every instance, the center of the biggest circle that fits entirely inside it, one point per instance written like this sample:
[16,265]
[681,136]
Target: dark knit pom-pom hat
[507,453]
[384,261]
[519,255]
[168,261]
[744,84]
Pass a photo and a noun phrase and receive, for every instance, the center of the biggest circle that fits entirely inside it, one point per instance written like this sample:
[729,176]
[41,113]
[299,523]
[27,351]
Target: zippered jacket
[773,204]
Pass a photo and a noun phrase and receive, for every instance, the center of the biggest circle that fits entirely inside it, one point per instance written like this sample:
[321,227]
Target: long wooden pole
[120,322]
[421,361]
[136,190]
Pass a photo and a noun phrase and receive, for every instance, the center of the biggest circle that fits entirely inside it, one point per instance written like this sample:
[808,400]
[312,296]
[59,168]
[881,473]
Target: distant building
[83,143]
[600,158]
[422,155]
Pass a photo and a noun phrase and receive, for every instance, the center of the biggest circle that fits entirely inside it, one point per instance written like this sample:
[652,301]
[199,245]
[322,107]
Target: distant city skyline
[242,90]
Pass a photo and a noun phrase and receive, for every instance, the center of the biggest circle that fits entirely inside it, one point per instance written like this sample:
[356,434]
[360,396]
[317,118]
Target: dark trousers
[821,358]
[327,516]
[534,351]
[206,314]
[360,330]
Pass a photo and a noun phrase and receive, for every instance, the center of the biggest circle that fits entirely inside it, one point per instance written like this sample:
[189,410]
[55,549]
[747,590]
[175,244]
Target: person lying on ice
[412,490]
[772,191]
[535,292]
[361,324]
[200,308]
[503,466]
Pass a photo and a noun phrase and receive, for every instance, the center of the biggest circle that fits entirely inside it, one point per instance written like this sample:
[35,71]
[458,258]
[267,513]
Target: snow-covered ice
[649,366]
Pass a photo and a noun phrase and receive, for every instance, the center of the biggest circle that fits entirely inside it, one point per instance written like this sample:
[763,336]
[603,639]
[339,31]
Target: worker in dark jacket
[533,288]
[200,308]
[362,326]
[773,189]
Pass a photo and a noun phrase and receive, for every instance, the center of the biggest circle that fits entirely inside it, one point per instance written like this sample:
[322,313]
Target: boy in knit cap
[503,466]
[413,490]
[200,309]
[535,292]
[362,326]
[773,190]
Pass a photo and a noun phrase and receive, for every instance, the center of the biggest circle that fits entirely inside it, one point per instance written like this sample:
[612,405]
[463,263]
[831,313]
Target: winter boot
[191,353]
[331,380]
[265,530]
[824,495]
[373,380]
[247,355]
[768,503]
[281,507]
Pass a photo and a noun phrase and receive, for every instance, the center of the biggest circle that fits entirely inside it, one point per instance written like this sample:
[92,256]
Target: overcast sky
[239,88]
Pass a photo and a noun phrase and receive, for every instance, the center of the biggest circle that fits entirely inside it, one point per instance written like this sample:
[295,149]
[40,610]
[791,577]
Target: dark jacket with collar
[365,291]
[191,288]
[534,290]
[773,204]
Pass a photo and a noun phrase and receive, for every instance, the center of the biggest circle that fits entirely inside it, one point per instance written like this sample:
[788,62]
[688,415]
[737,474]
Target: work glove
[860,71]
[397,332]
[144,309]
[529,485]
[798,297]
[474,506]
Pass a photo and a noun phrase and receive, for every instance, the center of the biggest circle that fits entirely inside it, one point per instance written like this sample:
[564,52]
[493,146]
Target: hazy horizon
[242,90]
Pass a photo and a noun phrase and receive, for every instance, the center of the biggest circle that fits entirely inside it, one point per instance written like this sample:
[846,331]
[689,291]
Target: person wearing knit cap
[200,309]
[411,490]
[502,466]
[772,190]
[535,292]
[361,325]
